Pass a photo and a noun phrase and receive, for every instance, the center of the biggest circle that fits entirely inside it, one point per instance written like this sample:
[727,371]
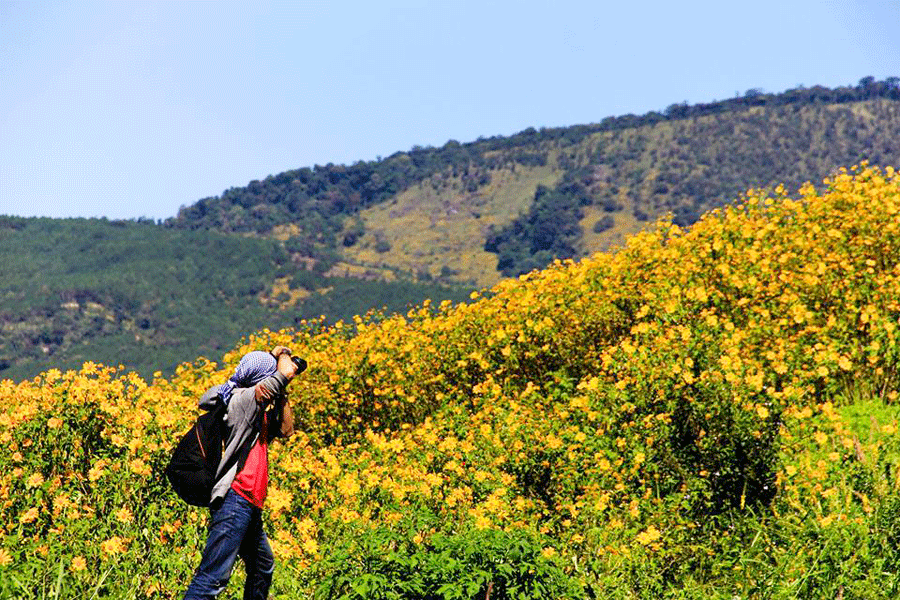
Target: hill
[436,223]
[703,413]
[505,205]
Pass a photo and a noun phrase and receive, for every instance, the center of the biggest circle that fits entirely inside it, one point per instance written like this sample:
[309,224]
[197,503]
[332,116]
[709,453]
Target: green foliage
[126,292]
[120,496]
[604,223]
[318,200]
[151,297]
[603,429]
[347,298]
[382,563]
[551,229]
[689,165]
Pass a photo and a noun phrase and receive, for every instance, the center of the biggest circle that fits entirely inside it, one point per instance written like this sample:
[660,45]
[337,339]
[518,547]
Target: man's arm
[271,389]
[282,424]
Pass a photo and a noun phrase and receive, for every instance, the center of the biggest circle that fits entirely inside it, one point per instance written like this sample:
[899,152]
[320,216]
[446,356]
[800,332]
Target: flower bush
[673,415]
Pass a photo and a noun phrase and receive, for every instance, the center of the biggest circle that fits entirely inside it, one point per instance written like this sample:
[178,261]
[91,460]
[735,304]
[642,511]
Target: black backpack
[192,468]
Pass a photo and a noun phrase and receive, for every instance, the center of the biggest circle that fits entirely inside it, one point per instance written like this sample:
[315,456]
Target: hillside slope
[701,414]
[607,186]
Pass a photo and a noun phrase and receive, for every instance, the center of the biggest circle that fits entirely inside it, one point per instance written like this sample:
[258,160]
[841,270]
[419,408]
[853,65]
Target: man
[257,413]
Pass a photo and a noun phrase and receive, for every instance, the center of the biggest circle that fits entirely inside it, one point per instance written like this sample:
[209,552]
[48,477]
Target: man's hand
[277,351]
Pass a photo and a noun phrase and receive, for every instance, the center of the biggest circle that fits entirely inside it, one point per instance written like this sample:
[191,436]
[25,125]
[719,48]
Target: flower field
[707,413]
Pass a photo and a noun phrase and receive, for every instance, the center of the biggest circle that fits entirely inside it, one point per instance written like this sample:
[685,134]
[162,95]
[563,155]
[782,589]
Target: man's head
[253,368]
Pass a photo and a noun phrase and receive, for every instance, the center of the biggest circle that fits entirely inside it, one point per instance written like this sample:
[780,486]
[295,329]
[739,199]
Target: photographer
[258,412]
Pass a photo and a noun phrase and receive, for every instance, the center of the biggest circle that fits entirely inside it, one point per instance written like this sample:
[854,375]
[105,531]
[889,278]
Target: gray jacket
[242,421]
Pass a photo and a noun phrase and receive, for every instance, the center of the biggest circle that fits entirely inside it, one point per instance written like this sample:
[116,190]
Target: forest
[136,294]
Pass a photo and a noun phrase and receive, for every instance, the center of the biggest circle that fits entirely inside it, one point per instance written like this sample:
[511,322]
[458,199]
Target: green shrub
[382,563]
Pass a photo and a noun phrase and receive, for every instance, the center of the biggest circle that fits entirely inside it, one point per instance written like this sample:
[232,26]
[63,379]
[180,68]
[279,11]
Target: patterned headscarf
[253,368]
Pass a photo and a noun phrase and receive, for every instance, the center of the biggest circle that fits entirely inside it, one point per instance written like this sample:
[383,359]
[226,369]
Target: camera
[301,364]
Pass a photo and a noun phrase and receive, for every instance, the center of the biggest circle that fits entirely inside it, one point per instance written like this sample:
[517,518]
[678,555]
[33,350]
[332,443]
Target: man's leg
[228,526]
[258,559]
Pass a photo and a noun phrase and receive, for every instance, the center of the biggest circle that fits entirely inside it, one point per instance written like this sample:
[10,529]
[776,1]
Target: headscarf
[253,368]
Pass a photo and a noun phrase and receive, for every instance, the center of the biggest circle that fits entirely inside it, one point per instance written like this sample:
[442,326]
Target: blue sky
[132,109]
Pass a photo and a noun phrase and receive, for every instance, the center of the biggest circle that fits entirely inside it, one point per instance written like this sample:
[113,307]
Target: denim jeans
[235,529]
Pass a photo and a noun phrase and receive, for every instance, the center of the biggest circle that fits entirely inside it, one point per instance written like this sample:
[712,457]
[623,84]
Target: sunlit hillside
[497,207]
[708,412]
[686,166]
[438,227]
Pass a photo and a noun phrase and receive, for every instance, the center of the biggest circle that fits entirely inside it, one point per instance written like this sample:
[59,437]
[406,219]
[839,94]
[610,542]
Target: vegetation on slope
[437,228]
[703,414]
[686,167]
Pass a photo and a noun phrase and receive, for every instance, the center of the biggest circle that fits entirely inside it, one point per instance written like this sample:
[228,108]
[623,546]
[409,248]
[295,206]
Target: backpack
[192,469]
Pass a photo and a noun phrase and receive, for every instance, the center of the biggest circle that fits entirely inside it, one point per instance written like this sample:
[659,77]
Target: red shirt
[253,480]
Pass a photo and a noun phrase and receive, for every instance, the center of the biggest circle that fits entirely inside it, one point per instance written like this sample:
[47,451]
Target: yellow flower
[310,546]
[348,486]
[78,563]
[96,472]
[481,475]
[30,516]
[36,480]
[54,422]
[124,515]
[139,467]
[114,545]
[5,558]
[648,536]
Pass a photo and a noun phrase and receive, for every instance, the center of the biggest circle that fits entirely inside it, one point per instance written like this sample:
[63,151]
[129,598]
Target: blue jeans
[235,529]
